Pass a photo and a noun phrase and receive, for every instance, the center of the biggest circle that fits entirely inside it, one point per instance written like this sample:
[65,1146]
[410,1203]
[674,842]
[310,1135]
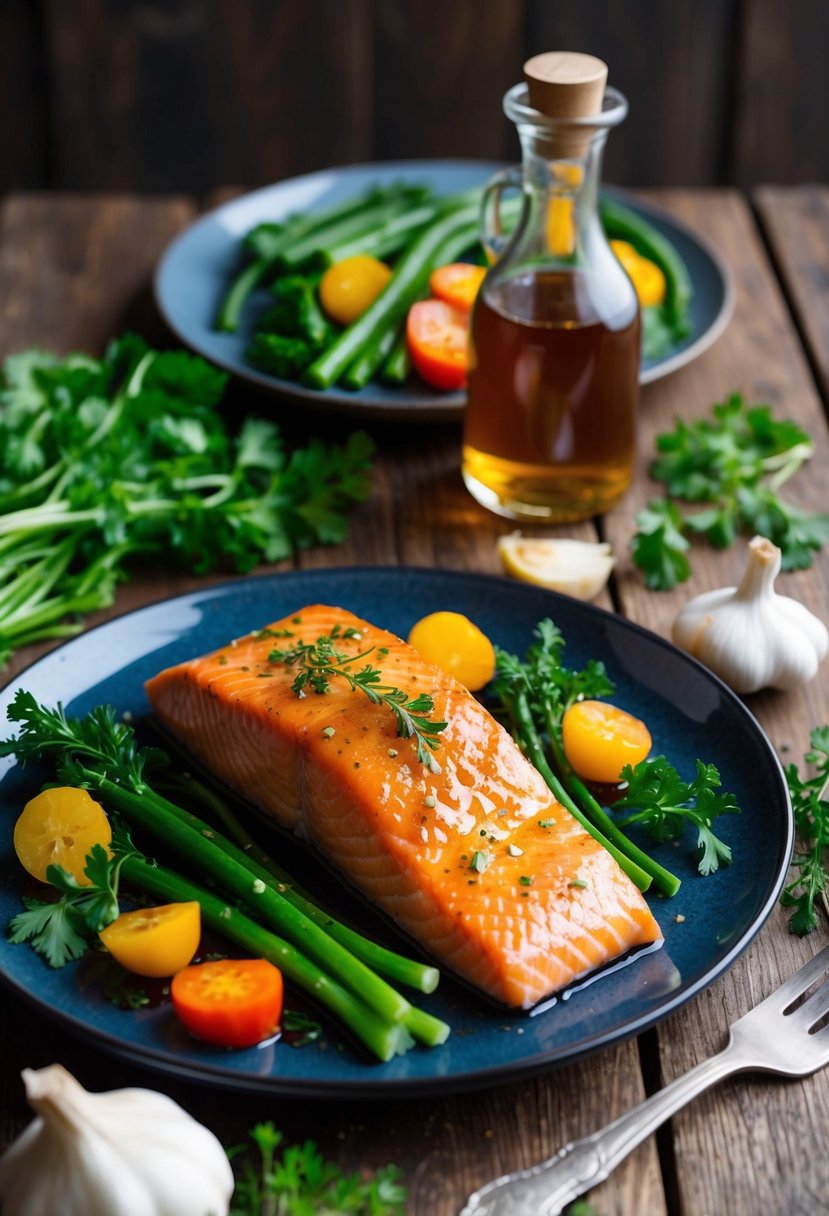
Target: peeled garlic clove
[129,1152]
[749,635]
[575,567]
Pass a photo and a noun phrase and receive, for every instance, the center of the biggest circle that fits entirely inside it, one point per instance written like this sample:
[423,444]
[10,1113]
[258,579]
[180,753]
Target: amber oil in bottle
[549,430]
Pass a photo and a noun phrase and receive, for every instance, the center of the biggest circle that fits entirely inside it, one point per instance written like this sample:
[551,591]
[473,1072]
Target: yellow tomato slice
[453,642]
[155,942]
[349,287]
[600,739]
[59,827]
[645,275]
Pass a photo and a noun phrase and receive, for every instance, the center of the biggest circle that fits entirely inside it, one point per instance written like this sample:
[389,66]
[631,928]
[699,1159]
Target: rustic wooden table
[75,270]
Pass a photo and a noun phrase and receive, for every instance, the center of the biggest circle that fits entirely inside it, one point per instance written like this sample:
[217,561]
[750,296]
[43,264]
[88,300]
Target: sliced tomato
[155,941]
[457,284]
[600,739]
[60,826]
[438,338]
[230,1002]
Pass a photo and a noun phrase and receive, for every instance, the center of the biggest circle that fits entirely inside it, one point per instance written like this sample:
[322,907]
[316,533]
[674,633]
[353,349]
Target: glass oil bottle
[550,423]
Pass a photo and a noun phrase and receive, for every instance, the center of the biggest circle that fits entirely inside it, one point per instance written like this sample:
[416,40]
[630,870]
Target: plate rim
[373,1087]
[447,407]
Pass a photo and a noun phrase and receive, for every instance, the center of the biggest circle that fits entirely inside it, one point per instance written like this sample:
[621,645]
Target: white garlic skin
[749,635]
[129,1152]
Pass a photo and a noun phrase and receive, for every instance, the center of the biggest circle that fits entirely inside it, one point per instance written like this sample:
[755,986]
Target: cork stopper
[563,85]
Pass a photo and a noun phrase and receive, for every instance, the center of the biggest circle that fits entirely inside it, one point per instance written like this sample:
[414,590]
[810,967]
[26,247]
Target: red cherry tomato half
[457,284]
[438,339]
[230,1002]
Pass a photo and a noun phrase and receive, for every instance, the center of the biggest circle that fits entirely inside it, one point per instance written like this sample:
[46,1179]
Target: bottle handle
[493,237]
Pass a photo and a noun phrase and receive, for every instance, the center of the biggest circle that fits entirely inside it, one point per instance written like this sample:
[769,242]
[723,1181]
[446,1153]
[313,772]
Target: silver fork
[774,1037]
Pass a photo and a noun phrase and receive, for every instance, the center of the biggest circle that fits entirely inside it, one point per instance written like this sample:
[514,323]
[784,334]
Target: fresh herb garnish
[735,462]
[664,803]
[301,1027]
[300,1182]
[535,694]
[319,662]
[810,803]
[481,861]
[106,462]
[61,931]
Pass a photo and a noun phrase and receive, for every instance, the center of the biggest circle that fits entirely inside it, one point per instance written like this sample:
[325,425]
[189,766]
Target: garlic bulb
[751,636]
[575,567]
[129,1152]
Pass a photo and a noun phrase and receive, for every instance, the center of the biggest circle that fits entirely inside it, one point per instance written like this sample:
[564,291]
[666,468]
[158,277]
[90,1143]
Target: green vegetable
[397,367]
[320,661]
[61,930]
[534,695]
[810,803]
[106,462]
[659,798]
[280,355]
[100,753]
[300,1183]
[735,461]
[443,241]
[296,310]
[267,242]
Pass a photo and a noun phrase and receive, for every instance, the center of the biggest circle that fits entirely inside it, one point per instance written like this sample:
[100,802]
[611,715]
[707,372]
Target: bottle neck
[575,180]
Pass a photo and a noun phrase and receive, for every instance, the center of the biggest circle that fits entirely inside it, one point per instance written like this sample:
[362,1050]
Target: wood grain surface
[187,94]
[71,270]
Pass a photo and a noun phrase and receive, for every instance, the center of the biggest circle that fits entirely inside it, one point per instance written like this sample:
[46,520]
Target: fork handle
[545,1188]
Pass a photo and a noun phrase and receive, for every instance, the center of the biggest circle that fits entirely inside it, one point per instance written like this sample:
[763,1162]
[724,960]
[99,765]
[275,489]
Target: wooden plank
[672,62]
[781,94]
[795,222]
[440,72]
[206,92]
[24,136]
[747,1139]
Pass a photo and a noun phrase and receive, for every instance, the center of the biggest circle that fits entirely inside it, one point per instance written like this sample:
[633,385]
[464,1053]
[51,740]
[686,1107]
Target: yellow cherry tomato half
[645,275]
[155,942]
[349,287]
[600,739]
[452,642]
[59,827]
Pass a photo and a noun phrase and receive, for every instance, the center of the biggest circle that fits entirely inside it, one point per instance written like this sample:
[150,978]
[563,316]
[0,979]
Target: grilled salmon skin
[478,862]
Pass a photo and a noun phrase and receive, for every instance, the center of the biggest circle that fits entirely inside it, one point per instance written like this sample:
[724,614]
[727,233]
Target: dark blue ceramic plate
[197,266]
[690,714]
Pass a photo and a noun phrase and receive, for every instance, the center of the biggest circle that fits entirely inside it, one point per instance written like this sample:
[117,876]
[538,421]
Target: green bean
[442,241]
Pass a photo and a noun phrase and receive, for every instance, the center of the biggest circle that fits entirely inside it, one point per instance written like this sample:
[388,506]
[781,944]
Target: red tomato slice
[230,1002]
[457,284]
[438,339]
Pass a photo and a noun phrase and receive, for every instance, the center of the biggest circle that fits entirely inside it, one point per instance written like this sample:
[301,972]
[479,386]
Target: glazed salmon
[478,862]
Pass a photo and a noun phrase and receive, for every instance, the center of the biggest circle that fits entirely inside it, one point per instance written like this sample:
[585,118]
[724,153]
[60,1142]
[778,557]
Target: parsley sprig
[321,661]
[658,798]
[298,1181]
[735,462]
[104,463]
[62,930]
[535,693]
[810,803]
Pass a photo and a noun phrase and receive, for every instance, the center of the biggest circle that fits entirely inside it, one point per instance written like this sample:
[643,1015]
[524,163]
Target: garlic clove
[749,635]
[131,1152]
[574,567]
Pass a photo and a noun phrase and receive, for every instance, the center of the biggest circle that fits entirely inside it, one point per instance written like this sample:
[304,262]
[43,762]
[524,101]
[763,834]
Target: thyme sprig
[321,661]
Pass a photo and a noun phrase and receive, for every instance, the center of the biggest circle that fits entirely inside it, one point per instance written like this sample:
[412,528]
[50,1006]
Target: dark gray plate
[198,264]
[690,713]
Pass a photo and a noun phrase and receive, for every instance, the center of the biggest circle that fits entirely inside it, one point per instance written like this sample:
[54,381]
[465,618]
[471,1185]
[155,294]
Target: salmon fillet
[477,862]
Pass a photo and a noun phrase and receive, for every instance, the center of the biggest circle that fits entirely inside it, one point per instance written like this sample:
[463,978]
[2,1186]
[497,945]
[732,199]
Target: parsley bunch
[734,462]
[105,462]
[810,803]
[300,1182]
